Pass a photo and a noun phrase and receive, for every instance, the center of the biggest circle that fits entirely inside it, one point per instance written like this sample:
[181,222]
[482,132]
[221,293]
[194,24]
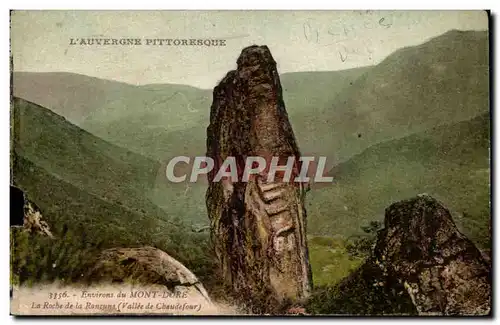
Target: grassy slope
[443,80]
[329,260]
[71,95]
[81,159]
[133,117]
[149,119]
[84,224]
[312,92]
[92,192]
[308,99]
[63,204]
[450,162]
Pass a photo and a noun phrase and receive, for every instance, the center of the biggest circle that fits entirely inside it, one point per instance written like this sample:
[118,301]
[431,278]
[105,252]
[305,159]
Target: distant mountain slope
[126,115]
[93,191]
[81,159]
[74,96]
[444,80]
[112,174]
[335,114]
[146,111]
[449,162]
[312,92]
[152,119]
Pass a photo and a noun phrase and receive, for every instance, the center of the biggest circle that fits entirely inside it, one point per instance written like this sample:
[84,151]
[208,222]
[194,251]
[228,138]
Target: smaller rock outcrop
[26,214]
[147,265]
[442,270]
[421,264]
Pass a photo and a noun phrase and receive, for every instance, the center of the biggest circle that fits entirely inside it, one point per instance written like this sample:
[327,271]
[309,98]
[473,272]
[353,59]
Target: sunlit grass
[329,260]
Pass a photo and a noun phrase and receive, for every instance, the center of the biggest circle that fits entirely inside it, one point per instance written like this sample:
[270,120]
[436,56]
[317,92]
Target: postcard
[250,163]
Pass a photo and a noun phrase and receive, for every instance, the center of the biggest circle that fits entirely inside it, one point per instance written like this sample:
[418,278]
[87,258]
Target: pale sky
[298,40]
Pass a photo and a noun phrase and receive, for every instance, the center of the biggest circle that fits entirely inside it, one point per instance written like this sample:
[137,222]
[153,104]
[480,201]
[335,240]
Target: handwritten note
[346,38]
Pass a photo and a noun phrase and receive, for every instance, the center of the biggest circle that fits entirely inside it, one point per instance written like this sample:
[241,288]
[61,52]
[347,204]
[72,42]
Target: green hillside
[126,118]
[73,96]
[449,162]
[163,120]
[133,117]
[65,205]
[312,92]
[443,80]
[335,114]
[392,100]
[84,224]
[92,194]
[145,118]
[81,159]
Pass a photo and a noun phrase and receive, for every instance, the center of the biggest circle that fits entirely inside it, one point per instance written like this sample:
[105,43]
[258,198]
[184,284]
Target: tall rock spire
[258,227]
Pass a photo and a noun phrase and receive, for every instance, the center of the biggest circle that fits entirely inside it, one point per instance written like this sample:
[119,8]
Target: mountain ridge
[334,114]
[78,157]
[450,162]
